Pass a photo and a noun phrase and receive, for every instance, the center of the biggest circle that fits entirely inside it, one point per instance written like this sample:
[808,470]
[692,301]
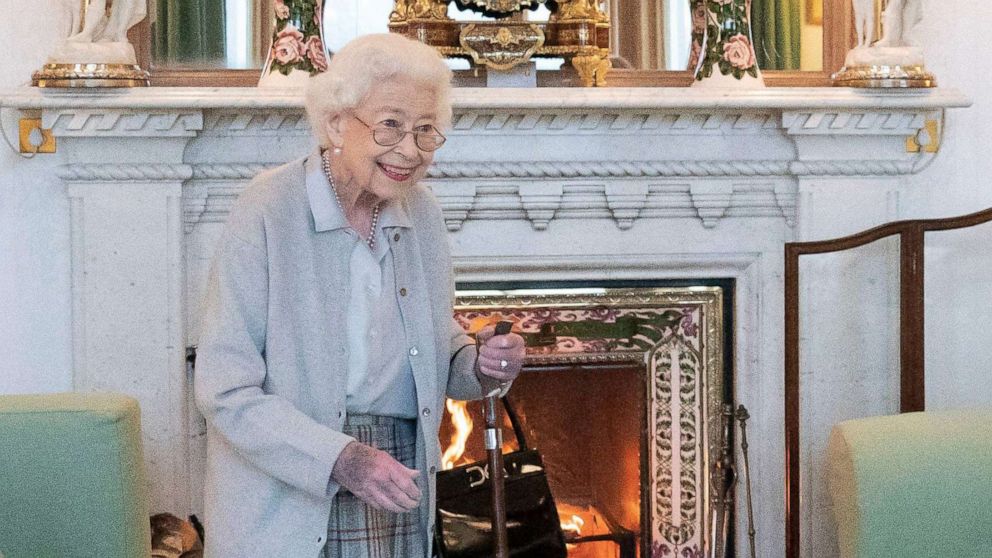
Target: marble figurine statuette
[96,53]
[896,58]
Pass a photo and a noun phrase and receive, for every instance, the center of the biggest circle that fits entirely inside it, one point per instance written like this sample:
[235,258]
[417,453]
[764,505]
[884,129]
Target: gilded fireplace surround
[678,333]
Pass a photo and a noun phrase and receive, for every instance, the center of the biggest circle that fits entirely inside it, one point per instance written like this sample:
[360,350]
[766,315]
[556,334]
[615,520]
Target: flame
[509,443]
[572,526]
[462,422]
[584,520]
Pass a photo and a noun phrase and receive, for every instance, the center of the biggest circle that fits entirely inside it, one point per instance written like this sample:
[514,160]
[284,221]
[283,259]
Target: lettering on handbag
[481,471]
[477,475]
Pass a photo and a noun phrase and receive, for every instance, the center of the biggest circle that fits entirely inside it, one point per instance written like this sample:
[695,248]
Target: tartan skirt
[357,530]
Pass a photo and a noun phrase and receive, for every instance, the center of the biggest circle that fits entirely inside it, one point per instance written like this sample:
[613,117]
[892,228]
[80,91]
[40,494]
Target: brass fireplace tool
[576,30]
[725,480]
[742,416]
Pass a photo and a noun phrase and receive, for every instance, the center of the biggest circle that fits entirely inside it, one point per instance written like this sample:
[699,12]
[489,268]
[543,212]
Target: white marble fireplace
[573,184]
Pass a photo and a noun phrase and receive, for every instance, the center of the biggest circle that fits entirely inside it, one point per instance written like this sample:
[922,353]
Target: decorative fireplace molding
[677,334]
[535,184]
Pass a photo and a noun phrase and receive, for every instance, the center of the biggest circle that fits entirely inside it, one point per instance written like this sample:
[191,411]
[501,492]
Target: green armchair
[913,485]
[72,477]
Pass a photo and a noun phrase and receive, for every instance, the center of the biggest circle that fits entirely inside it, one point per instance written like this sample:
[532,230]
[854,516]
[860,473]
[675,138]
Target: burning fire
[462,422]
[572,527]
[578,521]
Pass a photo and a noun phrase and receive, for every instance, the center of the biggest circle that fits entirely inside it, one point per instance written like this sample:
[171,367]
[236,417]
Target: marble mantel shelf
[561,151]
[774,98]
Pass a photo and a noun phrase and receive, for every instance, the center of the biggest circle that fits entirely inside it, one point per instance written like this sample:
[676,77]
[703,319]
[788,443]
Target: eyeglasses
[427,137]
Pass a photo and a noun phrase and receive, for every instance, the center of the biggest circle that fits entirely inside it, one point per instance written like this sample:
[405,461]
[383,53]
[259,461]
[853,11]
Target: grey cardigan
[272,357]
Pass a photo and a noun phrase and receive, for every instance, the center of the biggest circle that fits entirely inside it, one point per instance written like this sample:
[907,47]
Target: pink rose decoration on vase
[737,51]
[315,52]
[721,44]
[282,10]
[297,50]
[289,46]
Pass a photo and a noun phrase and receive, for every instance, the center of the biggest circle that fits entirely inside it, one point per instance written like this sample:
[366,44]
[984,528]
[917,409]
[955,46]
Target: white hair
[370,59]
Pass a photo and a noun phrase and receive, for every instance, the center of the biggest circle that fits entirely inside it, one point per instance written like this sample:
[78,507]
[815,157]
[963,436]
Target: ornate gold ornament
[931,131]
[505,38]
[577,30]
[498,46]
[580,9]
[884,76]
[90,75]
[501,6]
[404,10]
[592,68]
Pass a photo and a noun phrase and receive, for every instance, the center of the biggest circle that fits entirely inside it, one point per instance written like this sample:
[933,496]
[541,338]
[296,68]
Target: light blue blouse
[380,378]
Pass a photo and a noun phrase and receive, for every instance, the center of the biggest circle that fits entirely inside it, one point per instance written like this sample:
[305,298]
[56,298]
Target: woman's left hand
[500,356]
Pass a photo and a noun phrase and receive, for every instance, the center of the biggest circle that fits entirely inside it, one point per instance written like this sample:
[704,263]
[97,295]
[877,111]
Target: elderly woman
[327,344]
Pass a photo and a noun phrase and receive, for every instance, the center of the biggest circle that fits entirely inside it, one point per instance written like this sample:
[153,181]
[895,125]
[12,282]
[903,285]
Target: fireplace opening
[588,424]
[621,394]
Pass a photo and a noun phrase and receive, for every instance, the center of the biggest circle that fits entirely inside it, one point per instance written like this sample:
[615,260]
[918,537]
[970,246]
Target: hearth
[621,394]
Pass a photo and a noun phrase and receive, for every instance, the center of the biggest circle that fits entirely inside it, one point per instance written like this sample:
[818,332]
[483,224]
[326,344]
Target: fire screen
[673,341]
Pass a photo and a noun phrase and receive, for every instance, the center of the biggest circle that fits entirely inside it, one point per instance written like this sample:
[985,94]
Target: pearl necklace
[375,210]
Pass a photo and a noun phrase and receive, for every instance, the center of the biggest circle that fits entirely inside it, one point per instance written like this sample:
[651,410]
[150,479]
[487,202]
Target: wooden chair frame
[911,327]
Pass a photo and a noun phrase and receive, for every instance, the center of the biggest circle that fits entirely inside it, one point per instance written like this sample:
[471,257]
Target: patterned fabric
[356,530]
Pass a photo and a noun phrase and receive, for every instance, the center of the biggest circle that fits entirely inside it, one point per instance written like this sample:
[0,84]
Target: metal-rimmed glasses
[426,137]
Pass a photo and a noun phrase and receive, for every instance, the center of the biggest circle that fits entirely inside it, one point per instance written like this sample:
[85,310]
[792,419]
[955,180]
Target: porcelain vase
[722,52]
[297,50]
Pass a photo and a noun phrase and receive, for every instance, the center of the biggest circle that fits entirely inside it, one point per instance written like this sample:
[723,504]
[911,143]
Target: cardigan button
[396,237]
[426,412]
[433,469]
[414,351]
[403,291]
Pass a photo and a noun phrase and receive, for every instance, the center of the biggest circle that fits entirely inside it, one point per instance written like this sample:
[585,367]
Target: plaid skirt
[356,530]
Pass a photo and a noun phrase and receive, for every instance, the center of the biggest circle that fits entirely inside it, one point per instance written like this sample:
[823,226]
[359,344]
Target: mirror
[209,34]
[234,34]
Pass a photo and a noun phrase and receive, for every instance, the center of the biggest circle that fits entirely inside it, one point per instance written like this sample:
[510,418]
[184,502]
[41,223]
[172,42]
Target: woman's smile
[399,174]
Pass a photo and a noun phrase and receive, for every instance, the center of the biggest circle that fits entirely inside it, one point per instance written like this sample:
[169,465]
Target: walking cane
[494,451]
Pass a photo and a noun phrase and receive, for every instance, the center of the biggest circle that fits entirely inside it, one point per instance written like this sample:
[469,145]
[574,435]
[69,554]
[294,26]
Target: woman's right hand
[376,478]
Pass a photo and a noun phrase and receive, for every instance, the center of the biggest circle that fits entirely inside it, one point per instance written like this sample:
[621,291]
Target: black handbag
[464,510]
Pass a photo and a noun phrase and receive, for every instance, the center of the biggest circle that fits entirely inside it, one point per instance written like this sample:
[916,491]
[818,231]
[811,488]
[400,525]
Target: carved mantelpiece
[797,131]
[535,185]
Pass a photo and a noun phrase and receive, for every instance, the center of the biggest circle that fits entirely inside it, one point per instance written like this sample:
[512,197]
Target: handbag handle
[518,429]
